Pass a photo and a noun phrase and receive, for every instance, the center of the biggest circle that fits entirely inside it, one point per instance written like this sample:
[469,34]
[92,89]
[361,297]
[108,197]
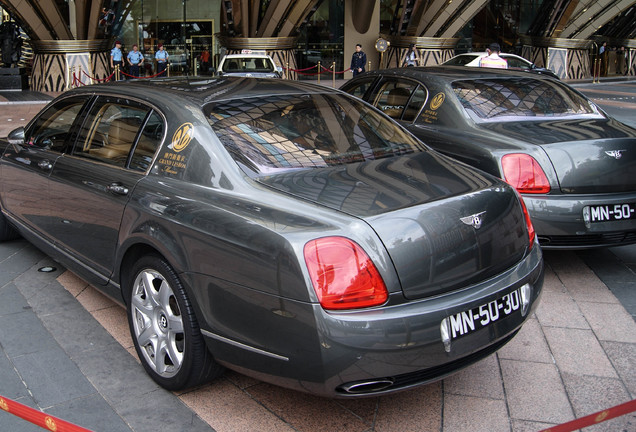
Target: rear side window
[272,134]
[51,131]
[393,97]
[361,87]
[109,132]
[513,99]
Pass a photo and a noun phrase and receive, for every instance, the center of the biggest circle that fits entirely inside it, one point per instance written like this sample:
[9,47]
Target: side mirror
[16,136]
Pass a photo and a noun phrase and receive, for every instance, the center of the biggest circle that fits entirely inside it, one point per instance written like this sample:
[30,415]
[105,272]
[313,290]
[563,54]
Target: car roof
[201,90]
[246,56]
[453,73]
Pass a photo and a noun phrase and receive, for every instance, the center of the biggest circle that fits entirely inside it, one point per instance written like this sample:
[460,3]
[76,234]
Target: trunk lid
[444,225]
[588,155]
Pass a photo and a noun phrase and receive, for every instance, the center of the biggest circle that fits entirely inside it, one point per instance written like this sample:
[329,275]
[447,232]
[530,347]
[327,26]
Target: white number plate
[612,212]
[472,320]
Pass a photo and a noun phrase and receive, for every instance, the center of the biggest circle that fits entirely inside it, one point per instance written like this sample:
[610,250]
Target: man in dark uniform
[358,60]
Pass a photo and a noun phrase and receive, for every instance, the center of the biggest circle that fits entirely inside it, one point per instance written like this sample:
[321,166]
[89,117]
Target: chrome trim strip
[243,346]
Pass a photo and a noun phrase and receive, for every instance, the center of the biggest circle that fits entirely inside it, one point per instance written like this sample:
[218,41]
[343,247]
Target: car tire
[164,327]
[7,232]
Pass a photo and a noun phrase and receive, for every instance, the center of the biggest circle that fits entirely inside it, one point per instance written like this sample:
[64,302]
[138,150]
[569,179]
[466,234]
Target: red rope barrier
[597,417]
[38,418]
[301,70]
[99,80]
[151,76]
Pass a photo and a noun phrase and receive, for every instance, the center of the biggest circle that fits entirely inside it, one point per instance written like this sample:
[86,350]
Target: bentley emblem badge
[616,154]
[473,220]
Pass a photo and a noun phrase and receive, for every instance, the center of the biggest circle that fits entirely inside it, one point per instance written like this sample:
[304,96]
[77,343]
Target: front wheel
[164,328]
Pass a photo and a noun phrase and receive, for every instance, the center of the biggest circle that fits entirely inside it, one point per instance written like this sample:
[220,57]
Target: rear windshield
[514,99]
[278,133]
[247,64]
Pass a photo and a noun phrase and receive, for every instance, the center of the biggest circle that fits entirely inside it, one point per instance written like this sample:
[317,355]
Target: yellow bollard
[318,66]
[168,69]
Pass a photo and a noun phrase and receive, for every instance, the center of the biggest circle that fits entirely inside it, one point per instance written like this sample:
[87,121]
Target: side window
[420,95]
[362,86]
[149,140]
[51,131]
[110,130]
[393,97]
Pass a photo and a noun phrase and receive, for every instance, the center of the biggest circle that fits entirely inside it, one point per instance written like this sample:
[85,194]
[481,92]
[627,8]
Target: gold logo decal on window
[437,101]
[182,137]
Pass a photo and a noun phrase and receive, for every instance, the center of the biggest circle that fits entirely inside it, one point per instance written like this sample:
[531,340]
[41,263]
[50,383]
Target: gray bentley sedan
[287,231]
[573,164]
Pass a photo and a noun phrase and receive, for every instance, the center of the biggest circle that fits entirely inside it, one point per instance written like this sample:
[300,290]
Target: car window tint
[360,88]
[514,98]
[149,140]
[51,129]
[418,99]
[268,134]
[516,63]
[393,98]
[109,132]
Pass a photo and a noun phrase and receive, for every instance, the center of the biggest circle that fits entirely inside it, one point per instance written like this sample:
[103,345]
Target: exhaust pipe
[362,387]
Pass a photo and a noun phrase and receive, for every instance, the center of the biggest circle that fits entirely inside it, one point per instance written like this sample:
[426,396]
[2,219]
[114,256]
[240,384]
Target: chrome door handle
[45,164]
[117,189]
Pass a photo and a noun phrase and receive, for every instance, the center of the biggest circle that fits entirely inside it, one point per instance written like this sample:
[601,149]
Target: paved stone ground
[65,349]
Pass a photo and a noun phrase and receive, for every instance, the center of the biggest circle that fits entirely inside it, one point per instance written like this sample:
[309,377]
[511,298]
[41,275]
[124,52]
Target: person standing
[204,57]
[604,55]
[116,57]
[358,60]
[135,60]
[492,60]
[411,58]
[162,60]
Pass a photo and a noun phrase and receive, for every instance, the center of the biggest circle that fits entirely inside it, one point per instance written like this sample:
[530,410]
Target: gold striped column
[281,49]
[568,58]
[51,59]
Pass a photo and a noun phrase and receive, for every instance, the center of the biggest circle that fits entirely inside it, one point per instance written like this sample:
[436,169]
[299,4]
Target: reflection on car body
[249,64]
[554,145]
[285,230]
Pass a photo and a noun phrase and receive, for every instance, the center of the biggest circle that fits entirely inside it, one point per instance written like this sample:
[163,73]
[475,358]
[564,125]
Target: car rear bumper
[380,350]
[560,222]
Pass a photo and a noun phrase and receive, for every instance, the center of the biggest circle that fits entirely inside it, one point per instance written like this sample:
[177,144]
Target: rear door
[26,168]
[92,185]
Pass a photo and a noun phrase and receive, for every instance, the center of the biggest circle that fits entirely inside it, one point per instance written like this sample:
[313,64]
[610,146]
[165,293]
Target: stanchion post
[168,69]
[287,70]
[79,74]
[116,72]
[333,73]
[369,68]
[70,74]
[319,71]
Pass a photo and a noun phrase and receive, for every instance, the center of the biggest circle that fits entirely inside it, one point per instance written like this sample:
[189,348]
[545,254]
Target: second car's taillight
[524,173]
[343,275]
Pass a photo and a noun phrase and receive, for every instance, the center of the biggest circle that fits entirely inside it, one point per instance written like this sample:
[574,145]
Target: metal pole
[333,73]
[319,71]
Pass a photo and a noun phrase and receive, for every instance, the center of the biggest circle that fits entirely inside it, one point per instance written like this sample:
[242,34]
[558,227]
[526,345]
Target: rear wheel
[164,328]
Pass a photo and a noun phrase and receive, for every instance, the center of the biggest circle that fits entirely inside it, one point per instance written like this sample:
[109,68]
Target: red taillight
[343,275]
[524,173]
[526,215]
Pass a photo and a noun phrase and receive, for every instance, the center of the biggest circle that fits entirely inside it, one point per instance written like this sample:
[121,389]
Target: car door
[92,185]
[26,168]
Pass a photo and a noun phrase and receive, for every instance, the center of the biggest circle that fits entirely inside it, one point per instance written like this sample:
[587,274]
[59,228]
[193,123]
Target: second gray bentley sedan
[572,163]
[287,231]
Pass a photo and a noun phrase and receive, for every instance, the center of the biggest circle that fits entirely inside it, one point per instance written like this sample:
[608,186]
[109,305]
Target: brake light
[526,215]
[524,173]
[343,275]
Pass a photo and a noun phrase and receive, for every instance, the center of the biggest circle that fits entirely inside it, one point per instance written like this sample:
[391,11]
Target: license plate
[472,320]
[610,212]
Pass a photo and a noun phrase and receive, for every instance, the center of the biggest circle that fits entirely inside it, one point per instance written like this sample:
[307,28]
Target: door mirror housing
[16,136]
